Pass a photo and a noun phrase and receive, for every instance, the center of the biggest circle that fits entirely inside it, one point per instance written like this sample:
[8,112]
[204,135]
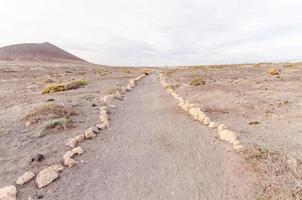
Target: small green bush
[57,123]
[197,81]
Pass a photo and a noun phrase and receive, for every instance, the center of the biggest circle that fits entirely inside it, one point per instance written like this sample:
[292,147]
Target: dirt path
[153,151]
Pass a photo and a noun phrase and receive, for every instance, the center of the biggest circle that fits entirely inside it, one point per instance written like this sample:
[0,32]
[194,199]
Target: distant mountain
[46,52]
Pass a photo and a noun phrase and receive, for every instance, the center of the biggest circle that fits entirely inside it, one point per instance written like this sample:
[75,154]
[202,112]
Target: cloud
[159,32]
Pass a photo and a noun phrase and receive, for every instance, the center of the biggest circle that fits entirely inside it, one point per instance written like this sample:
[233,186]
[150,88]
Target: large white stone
[48,175]
[8,193]
[25,178]
[89,134]
[228,136]
[77,151]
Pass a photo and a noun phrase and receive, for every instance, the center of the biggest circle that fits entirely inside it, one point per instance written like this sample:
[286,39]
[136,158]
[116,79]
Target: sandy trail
[153,151]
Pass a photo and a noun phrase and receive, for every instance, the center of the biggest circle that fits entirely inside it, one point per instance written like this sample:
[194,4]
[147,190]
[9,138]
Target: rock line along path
[153,150]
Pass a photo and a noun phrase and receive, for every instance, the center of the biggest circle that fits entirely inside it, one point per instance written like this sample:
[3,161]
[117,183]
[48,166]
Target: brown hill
[37,52]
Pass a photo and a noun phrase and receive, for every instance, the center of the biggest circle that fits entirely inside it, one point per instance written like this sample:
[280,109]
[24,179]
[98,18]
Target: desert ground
[153,148]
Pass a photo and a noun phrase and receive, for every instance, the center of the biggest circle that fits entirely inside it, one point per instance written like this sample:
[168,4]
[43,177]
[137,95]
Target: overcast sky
[159,32]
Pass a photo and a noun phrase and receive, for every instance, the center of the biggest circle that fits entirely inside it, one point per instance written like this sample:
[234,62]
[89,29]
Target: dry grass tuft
[291,65]
[76,84]
[104,72]
[273,71]
[169,72]
[46,112]
[197,81]
[277,180]
[58,123]
[63,87]
[53,88]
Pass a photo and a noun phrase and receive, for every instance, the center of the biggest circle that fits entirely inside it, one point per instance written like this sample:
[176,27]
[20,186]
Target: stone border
[49,174]
[224,133]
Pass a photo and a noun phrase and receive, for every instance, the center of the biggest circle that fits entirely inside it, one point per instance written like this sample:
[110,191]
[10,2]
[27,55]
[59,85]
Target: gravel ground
[152,150]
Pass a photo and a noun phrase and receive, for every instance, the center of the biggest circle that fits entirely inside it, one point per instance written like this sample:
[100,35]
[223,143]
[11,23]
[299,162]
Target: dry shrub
[291,65]
[273,71]
[169,72]
[48,111]
[197,81]
[62,87]
[53,88]
[76,84]
[125,70]
[104,72]
[58,123]
[273,168]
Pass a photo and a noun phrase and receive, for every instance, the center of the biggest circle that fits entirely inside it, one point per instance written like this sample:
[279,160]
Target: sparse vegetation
[197,81]
[76,84]
[60,123]
[275,170]
[169,72]
[104,72]
[48,111]
[273,71]
[62,87]
[53,88]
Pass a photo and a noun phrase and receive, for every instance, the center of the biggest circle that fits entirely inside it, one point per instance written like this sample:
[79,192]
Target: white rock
[104,119]
[27,124]
[201,116]
[194,112]
[77,151]
[102,108]
[74,141]
[228,136]
[170,90]
[69,162]
[89,134]
[185,106]
[118,95]
[132,83]
[207,121]
[68,154]
[46,176]
[123,89]
[80,138]
[129,87]
[103,112]
[213,125]
[101,126]
[221,127]
[57,168]
[112,106]
[238,147]
[25,178]
[8,193]
[108,98]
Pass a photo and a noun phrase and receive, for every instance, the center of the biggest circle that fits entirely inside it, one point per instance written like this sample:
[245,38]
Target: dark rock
[38,158]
